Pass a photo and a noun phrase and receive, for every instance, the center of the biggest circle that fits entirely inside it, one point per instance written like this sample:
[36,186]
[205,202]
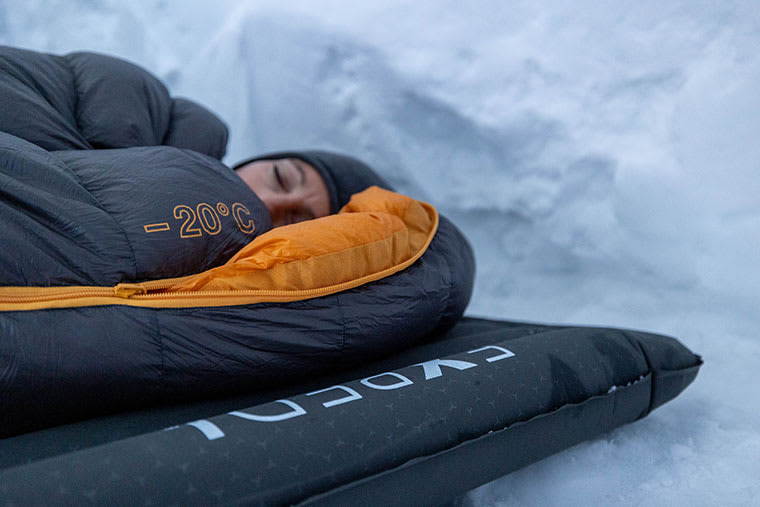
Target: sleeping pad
[161,343]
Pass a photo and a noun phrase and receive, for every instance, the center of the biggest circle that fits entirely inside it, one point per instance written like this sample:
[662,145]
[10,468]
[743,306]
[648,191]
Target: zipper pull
[127,290]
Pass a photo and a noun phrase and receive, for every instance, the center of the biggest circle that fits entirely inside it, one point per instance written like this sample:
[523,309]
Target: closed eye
[278,176]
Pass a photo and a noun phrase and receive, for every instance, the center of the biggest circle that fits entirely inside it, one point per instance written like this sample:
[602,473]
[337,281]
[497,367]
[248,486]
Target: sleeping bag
[178,350]
[138,269]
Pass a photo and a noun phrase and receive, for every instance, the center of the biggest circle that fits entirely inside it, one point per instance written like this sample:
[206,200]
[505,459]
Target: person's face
[291,189]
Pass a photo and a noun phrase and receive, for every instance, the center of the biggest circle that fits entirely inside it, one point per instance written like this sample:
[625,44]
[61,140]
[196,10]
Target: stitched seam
[161,382]
[343,323]
[170,124]
[637,345]
[451,287]
[75,85]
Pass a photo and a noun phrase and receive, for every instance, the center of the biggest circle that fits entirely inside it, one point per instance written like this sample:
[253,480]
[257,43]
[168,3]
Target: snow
[601,156]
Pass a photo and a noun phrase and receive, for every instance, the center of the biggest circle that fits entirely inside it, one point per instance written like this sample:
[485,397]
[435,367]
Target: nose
[278,206]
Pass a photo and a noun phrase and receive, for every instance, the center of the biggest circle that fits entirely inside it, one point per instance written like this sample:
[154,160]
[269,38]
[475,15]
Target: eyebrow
[298,165]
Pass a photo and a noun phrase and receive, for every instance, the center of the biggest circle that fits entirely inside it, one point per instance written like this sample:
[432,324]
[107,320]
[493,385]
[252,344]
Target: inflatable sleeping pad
[211,359]
[420,427]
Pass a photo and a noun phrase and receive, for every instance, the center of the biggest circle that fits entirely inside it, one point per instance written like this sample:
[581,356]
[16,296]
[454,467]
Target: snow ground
[602,158]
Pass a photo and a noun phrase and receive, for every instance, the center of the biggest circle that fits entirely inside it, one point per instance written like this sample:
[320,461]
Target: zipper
[144,291]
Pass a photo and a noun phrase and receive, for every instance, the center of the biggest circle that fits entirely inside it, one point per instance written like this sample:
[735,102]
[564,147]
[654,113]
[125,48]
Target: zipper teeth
[164,295]
[228,293]
[56,295]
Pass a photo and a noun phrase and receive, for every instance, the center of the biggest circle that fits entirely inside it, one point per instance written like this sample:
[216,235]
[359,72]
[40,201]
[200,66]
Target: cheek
[324,209]
[320,202]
